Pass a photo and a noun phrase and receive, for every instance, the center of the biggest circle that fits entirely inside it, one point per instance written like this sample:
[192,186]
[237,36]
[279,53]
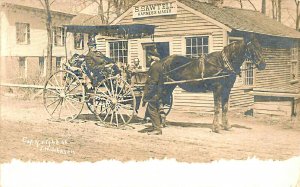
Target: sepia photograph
[150,93]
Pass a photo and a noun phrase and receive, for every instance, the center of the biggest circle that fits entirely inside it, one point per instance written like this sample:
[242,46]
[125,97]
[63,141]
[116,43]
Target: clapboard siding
[183,24]
[201,103]
[282,108]
[277,74]
[179,26]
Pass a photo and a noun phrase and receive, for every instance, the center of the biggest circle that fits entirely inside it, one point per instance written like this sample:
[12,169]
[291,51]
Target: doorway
[163,48]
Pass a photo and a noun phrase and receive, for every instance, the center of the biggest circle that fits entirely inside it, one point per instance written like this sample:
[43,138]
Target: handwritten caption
[49,145]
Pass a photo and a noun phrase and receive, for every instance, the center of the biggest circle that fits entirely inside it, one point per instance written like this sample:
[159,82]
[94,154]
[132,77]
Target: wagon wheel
[114,101]
[167,103]
[64,95]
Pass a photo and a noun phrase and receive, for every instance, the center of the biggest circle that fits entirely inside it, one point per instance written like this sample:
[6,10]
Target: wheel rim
[63,96]
[167,104]
[114,101]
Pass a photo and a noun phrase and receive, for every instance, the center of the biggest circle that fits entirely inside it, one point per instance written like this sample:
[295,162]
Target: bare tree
[279,11]
[46,5]
[108,9]
[297,14]
[263,7]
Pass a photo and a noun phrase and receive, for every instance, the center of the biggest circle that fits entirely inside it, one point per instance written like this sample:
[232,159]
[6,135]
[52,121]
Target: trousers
[153,112]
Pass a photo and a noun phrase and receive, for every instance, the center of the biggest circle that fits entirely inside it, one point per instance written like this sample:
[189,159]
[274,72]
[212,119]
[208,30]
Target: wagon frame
[114,100]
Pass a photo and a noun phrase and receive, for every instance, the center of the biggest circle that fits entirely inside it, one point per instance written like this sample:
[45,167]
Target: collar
[227,64]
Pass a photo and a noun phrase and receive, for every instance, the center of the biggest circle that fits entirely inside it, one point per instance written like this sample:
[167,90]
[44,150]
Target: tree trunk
[263,6]
[279,11]
[274,9]
[50,38]
[241,4]
[297,15]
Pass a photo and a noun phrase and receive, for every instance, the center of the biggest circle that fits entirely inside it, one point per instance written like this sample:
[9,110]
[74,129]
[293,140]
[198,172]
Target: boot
[155,132]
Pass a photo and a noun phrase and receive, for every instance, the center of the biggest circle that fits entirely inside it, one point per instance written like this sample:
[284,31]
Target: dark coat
[95,64]
[154,84]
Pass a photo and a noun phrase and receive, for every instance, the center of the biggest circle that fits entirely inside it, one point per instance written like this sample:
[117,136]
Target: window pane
[188,50]
[188,42]
[22,33]
[205,40]
[118,51]
[197,46]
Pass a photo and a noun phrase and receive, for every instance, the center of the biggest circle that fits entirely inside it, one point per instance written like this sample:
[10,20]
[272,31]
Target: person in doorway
[153,92]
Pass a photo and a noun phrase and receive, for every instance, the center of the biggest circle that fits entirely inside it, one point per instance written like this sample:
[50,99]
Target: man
[153,91]
[95,62]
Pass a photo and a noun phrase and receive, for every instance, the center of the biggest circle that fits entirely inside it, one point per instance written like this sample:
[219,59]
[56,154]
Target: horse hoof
[216,130]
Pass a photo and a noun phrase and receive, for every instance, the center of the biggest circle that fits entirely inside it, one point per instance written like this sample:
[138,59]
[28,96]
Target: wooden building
[23,44]
[189,28]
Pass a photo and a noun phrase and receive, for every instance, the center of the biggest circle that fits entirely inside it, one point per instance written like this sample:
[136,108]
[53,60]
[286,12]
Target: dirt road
[28,134]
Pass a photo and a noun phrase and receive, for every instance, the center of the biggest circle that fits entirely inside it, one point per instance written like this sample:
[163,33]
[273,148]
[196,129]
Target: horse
[217,72]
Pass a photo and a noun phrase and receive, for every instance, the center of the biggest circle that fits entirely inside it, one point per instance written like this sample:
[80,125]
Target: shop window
[248,75]
[294,61]
[23,33]
[58,36]
[119,51]
[58,63]
[42,66]
[195,46]
[78,41]
[22,67]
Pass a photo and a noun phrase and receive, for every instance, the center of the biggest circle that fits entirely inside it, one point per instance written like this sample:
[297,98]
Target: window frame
[81,40]
[26,33]
[246,73]
[294,70]
[62,36]
[42,68]
[112,54]
[197,45]
[23,67]
[58,67]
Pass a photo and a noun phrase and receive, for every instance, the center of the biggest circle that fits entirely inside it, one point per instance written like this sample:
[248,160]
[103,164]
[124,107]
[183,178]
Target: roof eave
[5,4]
[278,35]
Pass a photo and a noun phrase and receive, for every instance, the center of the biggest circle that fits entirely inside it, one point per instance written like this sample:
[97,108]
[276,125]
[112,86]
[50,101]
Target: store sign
[157,9]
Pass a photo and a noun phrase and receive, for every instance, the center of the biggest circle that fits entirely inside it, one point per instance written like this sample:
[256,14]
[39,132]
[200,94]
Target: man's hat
[153,52]
[91,42]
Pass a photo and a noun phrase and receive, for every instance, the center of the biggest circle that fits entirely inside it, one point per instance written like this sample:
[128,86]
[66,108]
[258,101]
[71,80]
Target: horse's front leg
[217,100]
[225,99]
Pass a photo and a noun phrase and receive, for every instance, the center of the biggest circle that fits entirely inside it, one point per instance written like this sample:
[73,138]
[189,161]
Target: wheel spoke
[111,117]
[112,87]
[53,85]
[73,88]
[53,102]
[122,117]
[107,114]
[67,87]
[117,120]
[61,104]
[71,104]
[52,91]
[107,89]
[57,81]
[125,100]
[72,99]
[126,106]
[56,107]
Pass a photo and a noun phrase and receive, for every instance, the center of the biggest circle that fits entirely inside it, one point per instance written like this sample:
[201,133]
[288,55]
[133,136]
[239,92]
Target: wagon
[115,99]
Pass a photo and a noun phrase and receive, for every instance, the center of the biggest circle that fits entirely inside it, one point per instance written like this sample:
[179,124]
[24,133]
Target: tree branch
[252,4]
[44,6]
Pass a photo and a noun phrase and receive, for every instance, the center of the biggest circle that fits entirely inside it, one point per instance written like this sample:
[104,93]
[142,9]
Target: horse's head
[254,53]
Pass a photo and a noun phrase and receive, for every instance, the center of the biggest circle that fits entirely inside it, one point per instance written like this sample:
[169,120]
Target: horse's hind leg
[217,100]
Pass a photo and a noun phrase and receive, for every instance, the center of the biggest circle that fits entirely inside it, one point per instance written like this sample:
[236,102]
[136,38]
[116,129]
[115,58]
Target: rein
[175,69]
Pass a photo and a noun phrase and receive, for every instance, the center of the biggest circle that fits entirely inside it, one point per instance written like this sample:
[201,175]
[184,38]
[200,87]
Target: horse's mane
[234,48]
